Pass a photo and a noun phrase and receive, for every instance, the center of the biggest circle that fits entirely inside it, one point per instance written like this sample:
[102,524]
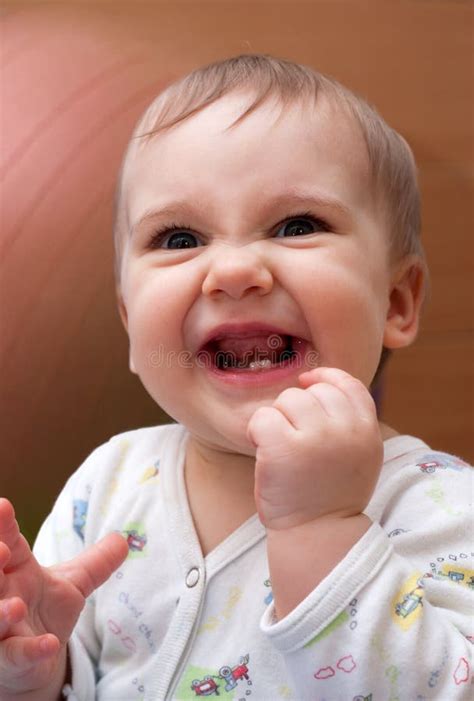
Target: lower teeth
[260,364]
[228,362]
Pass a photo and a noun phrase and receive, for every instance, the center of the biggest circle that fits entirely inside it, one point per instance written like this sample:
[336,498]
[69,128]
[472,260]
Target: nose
[237,273]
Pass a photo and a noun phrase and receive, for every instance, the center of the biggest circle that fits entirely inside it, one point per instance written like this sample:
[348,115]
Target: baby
[277,541]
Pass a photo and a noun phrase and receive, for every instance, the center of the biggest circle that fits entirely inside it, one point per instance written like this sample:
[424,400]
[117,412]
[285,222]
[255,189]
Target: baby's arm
[319,454]
[353,616]
[39,607]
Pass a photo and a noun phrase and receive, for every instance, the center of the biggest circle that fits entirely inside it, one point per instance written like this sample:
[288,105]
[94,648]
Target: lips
[248,347]
[242,331]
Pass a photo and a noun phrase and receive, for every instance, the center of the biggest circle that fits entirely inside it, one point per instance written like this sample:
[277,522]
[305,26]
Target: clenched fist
[318,450]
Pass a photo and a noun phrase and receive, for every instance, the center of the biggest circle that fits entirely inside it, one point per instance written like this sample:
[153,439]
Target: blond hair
[391,160]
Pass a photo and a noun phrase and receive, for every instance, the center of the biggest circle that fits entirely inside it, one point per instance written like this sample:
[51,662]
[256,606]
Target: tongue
[261,346]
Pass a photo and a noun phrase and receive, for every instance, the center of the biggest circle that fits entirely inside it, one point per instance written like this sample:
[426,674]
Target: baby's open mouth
[254,353]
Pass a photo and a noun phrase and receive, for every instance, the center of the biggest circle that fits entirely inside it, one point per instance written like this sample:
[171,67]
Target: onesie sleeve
[61,538]
[394,618]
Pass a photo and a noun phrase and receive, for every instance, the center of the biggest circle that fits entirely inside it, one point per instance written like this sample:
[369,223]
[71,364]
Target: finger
[94,566]
[356,392]
[300,408]
[11,536]
[8,526]
[306,408]
[266,424]
[332,401]
[5,555]
[22,652]
[12,610]
[293,403]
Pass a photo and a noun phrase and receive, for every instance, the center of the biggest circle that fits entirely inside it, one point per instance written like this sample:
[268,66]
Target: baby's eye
[182,240]
[173,238]
[301,225]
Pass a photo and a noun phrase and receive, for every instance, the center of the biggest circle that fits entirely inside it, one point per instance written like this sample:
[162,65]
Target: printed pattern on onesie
[231,659]
[119,611]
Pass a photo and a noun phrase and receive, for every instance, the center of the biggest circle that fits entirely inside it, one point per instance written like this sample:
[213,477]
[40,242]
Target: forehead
[274,146]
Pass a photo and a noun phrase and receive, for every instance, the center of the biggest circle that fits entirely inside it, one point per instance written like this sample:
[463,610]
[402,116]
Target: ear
[405,301]
[124,317]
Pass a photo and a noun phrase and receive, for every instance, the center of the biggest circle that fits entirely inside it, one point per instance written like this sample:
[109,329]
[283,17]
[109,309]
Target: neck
[219,486]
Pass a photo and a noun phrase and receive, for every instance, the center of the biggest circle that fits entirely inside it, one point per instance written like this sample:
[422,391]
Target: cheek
[335,288]
[344,307]
[158,302]
[151,334]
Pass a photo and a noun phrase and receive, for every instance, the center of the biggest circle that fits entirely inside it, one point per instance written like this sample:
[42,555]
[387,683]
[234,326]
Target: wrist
[302,556]
[336,524]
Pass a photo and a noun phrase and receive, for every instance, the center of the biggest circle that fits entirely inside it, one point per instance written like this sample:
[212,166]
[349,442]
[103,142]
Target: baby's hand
[39,607]
[319,450]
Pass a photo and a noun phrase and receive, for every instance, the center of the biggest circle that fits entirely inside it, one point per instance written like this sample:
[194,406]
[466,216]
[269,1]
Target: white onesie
[393,620]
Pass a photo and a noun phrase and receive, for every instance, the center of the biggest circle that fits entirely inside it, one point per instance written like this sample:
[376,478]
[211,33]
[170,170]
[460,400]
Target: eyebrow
[290,198]
[179,208]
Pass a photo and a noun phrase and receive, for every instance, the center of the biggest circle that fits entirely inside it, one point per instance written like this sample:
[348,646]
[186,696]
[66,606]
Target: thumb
[94,566]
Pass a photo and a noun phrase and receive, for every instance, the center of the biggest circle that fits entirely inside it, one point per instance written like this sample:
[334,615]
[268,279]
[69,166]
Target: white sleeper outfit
[393,620]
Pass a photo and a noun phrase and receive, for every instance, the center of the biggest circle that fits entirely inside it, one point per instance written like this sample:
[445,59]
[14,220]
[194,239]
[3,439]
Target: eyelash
[159,236]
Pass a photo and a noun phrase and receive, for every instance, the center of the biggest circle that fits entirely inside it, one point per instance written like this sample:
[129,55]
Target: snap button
[192,578]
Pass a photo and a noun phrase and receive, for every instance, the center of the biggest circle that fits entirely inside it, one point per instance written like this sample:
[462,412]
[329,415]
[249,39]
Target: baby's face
[274,259]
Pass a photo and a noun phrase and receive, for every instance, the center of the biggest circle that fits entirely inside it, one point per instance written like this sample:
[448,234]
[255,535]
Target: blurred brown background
[74,78]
